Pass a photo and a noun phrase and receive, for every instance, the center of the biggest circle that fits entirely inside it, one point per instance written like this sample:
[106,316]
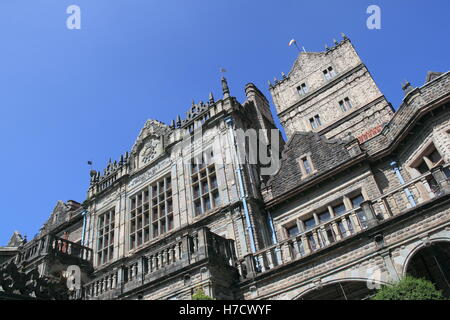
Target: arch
[340,289]
[431,260]
[418,247]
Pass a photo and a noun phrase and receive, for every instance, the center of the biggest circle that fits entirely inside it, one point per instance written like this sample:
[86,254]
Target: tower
[331,93]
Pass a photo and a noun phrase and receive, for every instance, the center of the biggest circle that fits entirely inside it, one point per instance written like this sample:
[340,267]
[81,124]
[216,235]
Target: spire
[225,89]
[211,98]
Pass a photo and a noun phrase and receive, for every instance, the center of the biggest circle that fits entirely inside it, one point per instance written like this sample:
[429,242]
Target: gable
[324,155]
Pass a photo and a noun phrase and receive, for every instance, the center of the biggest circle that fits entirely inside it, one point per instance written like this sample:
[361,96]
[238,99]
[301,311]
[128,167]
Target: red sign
[369,134]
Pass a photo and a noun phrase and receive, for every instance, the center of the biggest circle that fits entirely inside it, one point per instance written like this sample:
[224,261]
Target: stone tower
[331,93]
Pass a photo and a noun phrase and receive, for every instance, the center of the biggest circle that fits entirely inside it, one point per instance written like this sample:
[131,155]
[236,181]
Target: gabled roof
[15,240]
[151,128]
[323,153]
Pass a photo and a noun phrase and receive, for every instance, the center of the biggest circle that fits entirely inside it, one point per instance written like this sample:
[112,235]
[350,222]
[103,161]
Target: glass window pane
[310,223]
[356,201]
[292,231]
[339,209]
[324,216]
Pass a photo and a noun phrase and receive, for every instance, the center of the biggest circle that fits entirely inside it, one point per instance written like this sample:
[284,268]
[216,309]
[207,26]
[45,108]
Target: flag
[292,42]
[89,163]
[222,70]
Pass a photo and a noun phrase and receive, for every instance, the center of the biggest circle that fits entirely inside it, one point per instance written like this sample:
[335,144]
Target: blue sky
[68,96]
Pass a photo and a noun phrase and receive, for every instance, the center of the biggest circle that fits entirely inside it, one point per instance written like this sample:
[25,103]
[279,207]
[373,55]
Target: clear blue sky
[67,96]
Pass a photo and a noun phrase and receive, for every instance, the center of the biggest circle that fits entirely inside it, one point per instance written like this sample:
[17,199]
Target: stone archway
[341,290]
[432,262]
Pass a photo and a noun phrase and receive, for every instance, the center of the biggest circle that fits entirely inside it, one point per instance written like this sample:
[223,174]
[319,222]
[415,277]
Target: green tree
[200,295]
[409,288]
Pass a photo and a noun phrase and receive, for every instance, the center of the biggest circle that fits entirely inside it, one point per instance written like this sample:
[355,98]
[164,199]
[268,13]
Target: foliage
[409,288]
[200,295]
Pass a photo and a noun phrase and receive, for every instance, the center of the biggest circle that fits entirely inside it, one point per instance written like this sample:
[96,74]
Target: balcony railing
[419,190]
[67,248]
[159,262]
[50,244]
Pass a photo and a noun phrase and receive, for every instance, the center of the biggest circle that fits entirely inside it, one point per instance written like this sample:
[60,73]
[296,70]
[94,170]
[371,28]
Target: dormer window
[345,104]
[329,73]
[306,166]
[315,121]
[302,89]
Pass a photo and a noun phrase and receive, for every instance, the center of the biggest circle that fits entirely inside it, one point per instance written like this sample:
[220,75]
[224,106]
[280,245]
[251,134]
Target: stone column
[251,265]
[372,219]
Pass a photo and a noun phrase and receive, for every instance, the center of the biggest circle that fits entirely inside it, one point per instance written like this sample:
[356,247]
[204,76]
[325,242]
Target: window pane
[339,209]
[356,201]
[207,203]
[325,216]
[317,118]
[216,199]
[292,231]
[197,207]
[213,181]
[310,223]
[307,166]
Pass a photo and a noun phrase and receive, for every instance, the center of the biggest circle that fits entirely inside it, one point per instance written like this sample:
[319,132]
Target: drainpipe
[272,228]
[243,197]
[402,182]
[84,213]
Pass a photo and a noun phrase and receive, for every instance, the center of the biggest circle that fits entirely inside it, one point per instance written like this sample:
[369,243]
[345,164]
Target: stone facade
[358,191]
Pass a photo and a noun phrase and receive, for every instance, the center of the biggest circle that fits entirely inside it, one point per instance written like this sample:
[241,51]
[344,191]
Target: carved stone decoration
[152,128]
[149,151]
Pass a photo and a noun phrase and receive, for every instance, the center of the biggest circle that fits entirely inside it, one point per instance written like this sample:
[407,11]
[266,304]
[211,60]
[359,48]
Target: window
[105,245]
[292,231]
[430,158]
[310,223]
[324,216]
[345,104]
[315,121]
[356,201]
[204,186]
[151,212]
[339,209]
[329,73]
[306,166]
[302,89]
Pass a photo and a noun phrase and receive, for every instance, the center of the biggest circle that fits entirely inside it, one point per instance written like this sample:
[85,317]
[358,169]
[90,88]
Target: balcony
[157,263]
[51,246]
[414,193]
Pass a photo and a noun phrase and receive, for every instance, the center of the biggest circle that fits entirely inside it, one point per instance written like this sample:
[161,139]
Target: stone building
[357,197]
